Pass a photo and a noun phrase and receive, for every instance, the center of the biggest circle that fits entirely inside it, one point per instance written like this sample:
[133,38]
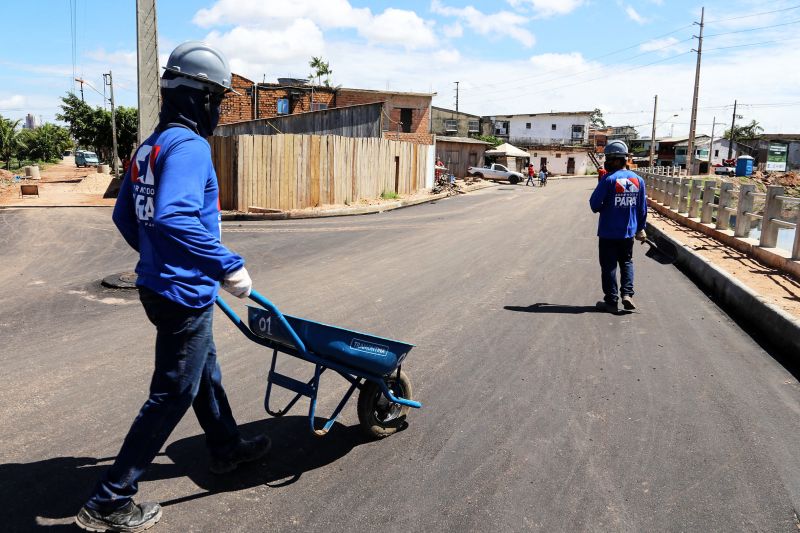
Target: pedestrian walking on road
[621,200]
[168,211]
[531,174]
[542,177]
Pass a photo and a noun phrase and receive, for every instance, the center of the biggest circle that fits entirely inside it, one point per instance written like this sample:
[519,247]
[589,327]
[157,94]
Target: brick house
[406,116]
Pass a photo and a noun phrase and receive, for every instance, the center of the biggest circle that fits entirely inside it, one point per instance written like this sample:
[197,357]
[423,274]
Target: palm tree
[10,140]
[321,68]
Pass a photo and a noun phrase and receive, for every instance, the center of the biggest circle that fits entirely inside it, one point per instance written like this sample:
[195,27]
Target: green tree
[491,139]
[321,68]
[91,127]
[596,119]
[46,143]
[747,131]
[11,140]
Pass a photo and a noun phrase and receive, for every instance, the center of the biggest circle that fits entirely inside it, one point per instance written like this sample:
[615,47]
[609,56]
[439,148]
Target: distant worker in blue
[621,200]
[168,211]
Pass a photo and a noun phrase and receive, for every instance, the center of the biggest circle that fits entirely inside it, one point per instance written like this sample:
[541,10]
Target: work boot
[130,518]
[607,307]
[627,302]
[245,452]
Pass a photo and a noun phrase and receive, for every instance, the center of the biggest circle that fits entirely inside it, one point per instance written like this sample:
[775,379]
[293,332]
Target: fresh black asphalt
[539,413]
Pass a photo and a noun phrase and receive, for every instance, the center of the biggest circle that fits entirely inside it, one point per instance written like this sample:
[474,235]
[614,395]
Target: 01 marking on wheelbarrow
[369,347]
[369,363]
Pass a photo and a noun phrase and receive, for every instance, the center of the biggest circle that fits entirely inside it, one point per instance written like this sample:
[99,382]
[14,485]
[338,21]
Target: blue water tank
[744,165]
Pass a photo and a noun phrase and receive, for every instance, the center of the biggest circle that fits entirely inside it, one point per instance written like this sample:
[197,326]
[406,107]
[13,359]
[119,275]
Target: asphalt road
[539,413]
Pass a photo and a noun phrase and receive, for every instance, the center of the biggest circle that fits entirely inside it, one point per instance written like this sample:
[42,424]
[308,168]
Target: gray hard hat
[616,149]
[200,66]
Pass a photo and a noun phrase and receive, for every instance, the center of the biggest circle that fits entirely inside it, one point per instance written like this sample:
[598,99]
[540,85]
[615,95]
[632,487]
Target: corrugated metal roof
[462,140]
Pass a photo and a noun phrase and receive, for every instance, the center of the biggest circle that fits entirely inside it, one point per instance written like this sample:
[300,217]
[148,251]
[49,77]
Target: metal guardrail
[701,197]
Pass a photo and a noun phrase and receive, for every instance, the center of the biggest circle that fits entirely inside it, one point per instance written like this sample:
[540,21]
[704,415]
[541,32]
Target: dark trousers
[186,374]
[615,252]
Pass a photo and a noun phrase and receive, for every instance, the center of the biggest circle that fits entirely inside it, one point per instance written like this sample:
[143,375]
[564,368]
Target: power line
[751,44]
[754,14]
[754,29]
[552,71]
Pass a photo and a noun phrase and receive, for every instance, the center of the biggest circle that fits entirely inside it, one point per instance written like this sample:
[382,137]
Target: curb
[782,329]
[348,211]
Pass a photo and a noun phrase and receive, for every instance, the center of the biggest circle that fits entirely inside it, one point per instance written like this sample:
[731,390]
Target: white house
[543,129]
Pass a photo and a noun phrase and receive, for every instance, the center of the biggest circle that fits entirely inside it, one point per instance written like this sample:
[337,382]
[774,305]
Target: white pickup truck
[496,172]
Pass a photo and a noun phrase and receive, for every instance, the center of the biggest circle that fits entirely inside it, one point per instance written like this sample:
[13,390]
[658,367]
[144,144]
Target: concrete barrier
[103,169]
[32,172]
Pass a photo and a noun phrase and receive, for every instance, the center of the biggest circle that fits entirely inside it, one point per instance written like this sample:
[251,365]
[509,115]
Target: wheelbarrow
[369,363]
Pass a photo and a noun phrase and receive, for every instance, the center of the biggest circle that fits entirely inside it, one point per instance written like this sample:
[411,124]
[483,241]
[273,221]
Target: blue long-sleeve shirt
[621,200]
[168,211]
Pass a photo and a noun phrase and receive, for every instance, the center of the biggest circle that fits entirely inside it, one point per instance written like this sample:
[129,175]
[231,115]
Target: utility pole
[456,95]
[80,80]
[693,122]
[653,135]
[733,125]
[148,75]
[114,157]
[711,146]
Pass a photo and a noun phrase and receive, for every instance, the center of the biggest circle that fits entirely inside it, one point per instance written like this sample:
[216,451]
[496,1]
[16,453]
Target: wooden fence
[297,171]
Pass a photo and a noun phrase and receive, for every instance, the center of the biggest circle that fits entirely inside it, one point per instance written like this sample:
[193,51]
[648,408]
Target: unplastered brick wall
[299,99]
[417,138]
[236,108]
[420,106]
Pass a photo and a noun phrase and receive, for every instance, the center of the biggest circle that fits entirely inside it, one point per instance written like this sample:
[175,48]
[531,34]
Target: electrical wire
[754,14]
[553,71]
[753,29]
[750,44]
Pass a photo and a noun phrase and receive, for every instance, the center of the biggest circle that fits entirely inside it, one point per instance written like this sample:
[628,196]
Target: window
[553,127]
[405,119]
[535,154]
[558,156]
[283,106]
[501,168]
[680,151]
[318,106]
[473,126]
[450,124]
[577,131]
[527,125]
[716,153]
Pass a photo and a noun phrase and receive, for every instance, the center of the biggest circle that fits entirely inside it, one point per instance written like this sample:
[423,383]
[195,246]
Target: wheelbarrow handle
[269,306]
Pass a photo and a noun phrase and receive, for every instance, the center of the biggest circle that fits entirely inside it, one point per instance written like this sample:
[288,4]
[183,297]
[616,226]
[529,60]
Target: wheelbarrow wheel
[378,416]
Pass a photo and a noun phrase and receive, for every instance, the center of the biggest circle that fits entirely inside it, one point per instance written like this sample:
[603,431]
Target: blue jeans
[615,252]
[186,374]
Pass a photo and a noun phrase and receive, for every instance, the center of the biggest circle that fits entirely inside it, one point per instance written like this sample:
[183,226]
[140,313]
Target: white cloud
[400,27]
[329,14]
[549,8]
[257,50]
[494,26]
[663,46]
[634,15]
[450,56]
[453,31]
[125,58]
[15,101]
[392,27]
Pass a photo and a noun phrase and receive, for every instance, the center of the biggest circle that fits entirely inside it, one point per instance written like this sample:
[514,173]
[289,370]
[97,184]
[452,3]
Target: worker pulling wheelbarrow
[369,363]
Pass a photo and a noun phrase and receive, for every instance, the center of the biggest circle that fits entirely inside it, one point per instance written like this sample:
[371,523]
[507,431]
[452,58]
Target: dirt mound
[93,184]
[788,179]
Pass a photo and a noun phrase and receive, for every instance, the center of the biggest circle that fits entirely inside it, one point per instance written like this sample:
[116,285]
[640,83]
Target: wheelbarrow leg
[302,389]
[312,408]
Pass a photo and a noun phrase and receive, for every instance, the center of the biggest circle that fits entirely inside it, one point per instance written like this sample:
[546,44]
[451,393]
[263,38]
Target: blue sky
[512,56]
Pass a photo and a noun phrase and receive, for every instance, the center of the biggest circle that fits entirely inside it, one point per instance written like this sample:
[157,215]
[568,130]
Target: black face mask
[193,108]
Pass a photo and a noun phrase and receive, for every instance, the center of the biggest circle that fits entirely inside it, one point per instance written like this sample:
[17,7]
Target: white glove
[238,283]
[641,236]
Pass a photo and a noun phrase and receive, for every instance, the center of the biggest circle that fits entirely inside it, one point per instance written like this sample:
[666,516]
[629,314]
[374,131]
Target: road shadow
[39,493]
[554,308]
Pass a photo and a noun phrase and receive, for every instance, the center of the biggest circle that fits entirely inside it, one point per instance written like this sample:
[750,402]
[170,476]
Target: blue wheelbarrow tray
[360,351]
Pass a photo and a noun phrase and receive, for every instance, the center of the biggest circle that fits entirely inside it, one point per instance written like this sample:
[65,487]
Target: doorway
[405,119]
[571,165]
[542,163]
